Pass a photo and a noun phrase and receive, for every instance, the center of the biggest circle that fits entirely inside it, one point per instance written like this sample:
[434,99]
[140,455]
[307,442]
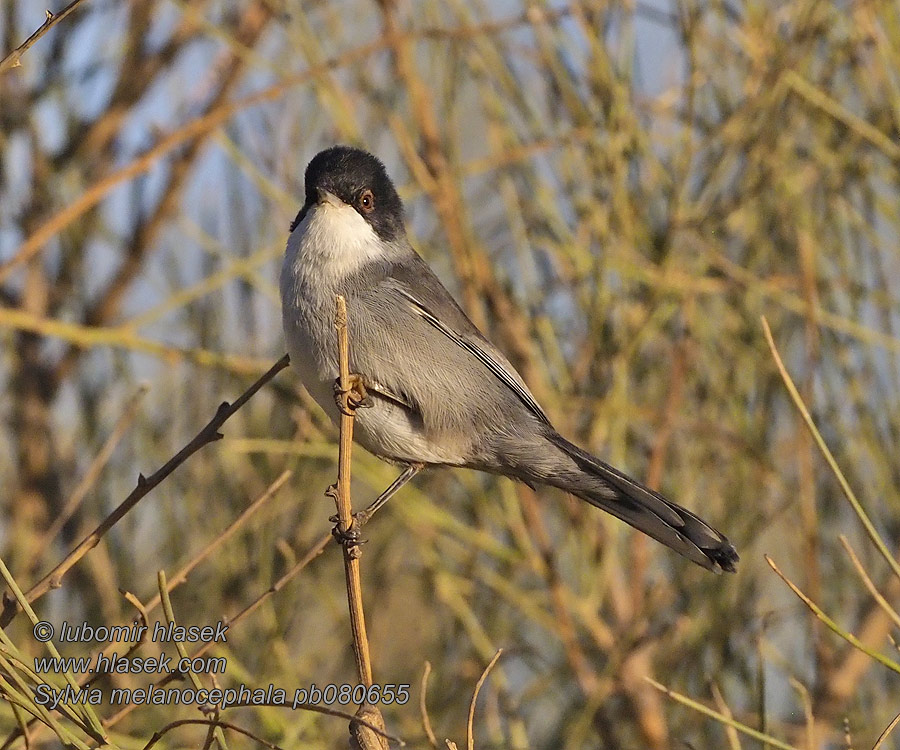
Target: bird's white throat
[331,242]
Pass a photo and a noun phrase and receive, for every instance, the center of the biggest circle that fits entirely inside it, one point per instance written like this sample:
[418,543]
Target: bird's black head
[359,180]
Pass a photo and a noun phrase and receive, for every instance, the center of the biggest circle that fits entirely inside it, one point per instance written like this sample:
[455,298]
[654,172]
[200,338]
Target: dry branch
[350,547]
[209,434]
[470,722]
[175,581]
[827,455]
[14,58]
[423,707]
[311,554]
[887,730]
[831,624]
[158,735]
[344,507]
[722,718]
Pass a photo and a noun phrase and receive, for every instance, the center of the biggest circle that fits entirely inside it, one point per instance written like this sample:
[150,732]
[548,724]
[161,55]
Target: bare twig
[14,58]
[310,555]
[734,742]
[869,583]
[157,736]
[325,711]
[181,576]
[423,707]
[470,724]
[887,730]
[169,614]
[209,434]
[345,522]
[720,717]
[344,508]
[826,453]
[831,624]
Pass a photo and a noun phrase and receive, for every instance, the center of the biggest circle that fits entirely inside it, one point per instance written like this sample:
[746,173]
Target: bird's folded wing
[476,345]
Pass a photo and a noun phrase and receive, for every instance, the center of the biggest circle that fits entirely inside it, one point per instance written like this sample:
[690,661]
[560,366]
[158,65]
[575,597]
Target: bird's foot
[355,397]
[358,520]
[349,538]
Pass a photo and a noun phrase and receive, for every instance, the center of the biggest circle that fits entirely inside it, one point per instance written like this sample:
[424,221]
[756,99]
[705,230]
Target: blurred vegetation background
[616,192]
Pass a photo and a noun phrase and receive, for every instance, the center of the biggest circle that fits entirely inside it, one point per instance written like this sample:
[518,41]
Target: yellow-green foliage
[616,192]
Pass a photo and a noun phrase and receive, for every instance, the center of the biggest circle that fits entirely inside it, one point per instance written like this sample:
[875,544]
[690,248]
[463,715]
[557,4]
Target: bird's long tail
[600,484]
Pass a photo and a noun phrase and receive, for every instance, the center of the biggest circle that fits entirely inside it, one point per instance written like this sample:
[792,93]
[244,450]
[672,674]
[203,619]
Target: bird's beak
[325,197]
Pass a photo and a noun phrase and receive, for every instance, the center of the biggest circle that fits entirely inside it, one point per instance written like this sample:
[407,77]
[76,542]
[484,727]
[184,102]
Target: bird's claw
[359,519]
[355,397]
[348,538]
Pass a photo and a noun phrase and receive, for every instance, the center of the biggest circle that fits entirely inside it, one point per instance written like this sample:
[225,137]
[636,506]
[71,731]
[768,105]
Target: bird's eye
[367,201]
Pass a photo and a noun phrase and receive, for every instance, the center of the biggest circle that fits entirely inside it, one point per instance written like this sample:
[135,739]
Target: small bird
[432,390]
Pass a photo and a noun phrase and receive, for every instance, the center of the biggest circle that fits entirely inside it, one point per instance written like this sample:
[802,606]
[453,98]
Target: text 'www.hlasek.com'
[122,661]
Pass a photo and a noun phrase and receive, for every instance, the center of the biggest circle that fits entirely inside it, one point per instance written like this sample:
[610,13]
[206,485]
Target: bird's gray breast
[308,310]
[309,284]
[302,344]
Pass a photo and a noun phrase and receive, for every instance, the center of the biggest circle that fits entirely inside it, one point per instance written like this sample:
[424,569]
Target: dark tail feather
[648,511]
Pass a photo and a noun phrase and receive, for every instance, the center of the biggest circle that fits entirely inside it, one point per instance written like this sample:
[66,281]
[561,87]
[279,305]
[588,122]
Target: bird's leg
[408,473]
[353,398]
[351,535]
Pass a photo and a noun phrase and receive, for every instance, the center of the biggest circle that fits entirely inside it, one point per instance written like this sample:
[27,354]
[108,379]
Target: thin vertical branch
[423,708]
[344,509]
[360,737]
[470,724]
[169,613]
